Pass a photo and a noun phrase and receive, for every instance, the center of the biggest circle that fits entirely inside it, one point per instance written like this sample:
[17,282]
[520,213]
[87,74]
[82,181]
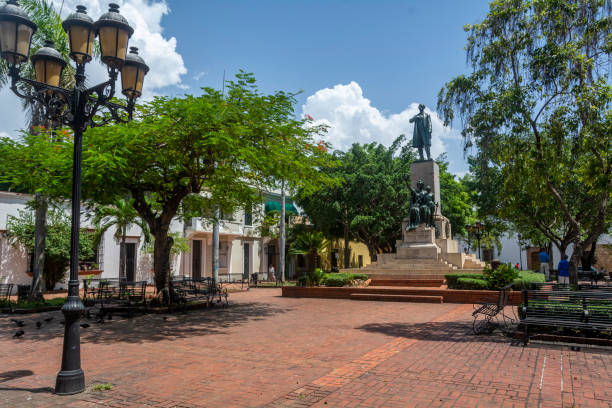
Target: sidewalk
[269,351]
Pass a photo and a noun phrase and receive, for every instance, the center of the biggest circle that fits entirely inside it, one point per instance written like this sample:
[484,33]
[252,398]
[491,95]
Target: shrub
[472,283]
[526,278]
[302,281]
[502,276]
[315,277]
[336,280]
[451,278]
[360,276]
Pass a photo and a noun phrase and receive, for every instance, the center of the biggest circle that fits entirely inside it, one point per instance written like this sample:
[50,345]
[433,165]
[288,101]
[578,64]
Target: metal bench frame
[485,313]
[581,309]
[115,294]
[5,294]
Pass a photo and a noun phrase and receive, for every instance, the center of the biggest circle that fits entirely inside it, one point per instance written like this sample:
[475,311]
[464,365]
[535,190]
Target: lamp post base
[70,382]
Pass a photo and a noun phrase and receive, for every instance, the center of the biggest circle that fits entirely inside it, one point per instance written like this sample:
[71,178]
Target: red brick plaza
[269,351]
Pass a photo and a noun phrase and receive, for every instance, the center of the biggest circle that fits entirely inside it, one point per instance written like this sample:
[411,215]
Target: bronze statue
[421,138]
[422,206]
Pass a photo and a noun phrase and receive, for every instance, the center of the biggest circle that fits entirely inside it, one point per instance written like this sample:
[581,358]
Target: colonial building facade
[242,249]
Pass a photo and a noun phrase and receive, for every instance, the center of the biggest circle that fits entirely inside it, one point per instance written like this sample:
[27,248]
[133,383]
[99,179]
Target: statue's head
[420,184]
[421,107]
[428,189]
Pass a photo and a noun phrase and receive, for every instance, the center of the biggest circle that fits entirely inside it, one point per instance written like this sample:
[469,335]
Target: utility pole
[281,261]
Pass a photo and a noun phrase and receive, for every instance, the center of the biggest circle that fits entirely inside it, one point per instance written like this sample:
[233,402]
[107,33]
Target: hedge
[341,279]
[451,278]
[524,280]
[472,283]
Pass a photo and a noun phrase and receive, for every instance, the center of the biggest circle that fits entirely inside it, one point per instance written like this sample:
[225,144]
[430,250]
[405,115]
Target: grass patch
[102,387]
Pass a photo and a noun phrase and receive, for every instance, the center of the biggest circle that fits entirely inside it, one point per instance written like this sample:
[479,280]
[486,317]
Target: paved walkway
[269,351]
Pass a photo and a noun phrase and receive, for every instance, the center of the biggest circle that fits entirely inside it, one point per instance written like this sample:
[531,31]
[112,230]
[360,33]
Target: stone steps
[396,298]
[416,282]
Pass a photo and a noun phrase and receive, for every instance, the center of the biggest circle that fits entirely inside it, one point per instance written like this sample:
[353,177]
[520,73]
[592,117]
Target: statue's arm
[429,123]
[412,119]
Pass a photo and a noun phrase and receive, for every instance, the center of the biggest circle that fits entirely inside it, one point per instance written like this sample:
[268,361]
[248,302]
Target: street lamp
[78,108]
[520,242]
[477,230]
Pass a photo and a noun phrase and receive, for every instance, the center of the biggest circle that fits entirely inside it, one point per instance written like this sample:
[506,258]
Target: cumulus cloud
[353,119]
[145,17]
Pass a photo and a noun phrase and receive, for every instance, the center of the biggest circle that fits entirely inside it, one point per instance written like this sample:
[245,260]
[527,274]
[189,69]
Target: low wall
[449,295]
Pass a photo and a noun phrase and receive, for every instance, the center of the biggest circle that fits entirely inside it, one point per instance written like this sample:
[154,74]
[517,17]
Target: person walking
[271,273]
[563,271]
[544,267]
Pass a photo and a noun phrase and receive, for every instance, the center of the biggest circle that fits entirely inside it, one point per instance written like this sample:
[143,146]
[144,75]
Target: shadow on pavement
[154,327]
[13,375]
[433,331]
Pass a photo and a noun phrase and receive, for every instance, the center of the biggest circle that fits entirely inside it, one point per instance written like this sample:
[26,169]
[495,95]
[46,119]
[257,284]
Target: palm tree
[310,244]
[122,216]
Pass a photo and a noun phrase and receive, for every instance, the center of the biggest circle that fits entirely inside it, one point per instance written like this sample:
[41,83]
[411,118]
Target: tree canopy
[184,156]
[537,107]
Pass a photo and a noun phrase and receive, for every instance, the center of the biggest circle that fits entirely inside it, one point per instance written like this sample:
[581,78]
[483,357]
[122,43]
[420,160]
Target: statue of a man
[431,206]
[417,199]
[421,137]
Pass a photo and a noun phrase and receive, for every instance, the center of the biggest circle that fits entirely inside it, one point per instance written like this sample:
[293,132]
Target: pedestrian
[563,271]
[544,267]
[271,274]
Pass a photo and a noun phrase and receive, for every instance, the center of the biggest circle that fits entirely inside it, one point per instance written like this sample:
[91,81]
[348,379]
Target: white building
[242,251]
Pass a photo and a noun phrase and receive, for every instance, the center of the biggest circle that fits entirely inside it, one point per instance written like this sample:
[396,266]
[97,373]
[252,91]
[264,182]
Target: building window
[301,261]
[248,215]
[223,254]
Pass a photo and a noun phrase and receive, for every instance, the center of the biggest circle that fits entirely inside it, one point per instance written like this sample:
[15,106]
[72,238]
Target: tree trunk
[574,262]
[215,247]
[161,261]
[122,255]
[40,233]
[372,249]
[347,249]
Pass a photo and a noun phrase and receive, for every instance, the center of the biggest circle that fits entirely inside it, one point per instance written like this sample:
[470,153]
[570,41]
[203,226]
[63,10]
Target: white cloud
[353,119]
[145,16]
[165,63]
[199,75]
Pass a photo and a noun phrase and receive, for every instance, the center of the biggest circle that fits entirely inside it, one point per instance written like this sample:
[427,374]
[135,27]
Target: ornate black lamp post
[78,108]
[476,230]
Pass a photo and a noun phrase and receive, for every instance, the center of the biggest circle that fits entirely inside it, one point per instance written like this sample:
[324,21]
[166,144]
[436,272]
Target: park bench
[192,289]
[563,308]
[5,294]
[484,314]
[115,295]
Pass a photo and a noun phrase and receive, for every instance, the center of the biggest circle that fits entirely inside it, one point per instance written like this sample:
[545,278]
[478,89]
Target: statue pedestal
[420,243]
[429,172]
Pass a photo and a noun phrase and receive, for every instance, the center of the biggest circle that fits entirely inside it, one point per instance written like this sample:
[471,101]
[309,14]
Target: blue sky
[363,66]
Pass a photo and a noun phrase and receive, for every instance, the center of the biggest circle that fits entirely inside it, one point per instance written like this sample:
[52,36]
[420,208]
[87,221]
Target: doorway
[246,261]
[196,260]
[130,262]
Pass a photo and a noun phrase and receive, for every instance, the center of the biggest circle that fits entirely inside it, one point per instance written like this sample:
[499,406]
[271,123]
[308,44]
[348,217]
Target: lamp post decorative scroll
[78,108]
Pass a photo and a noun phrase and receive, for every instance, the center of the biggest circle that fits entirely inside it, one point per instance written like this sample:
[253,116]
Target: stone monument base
[419,243]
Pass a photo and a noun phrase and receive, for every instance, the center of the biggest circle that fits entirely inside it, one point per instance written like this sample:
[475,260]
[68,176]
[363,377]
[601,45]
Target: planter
[95,272]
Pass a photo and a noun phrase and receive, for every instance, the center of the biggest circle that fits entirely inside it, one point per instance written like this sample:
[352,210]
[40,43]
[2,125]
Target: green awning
[275,206]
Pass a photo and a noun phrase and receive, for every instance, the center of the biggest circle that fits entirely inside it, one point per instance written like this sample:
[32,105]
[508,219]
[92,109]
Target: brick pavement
[269,351]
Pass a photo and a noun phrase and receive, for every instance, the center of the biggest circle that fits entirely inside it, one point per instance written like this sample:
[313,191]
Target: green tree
[195,153]
[537,107]
[371,199]
[57,249]
[456,202]
[122,216]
